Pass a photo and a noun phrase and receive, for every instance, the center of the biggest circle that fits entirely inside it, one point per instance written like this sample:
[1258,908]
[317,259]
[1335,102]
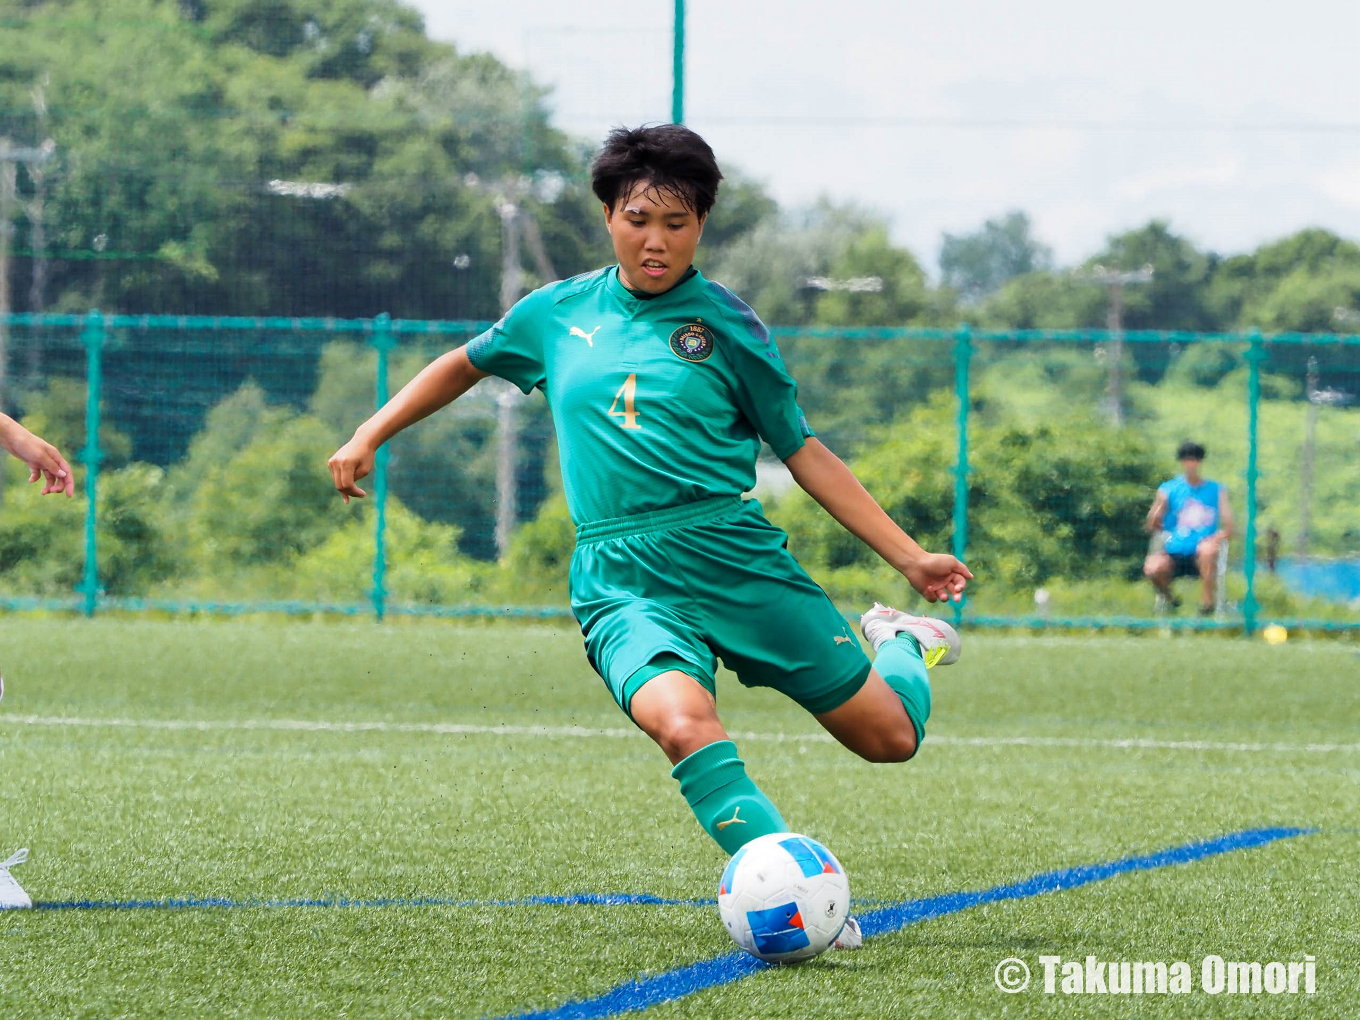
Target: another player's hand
[351,462]
[43,461]
[939,577]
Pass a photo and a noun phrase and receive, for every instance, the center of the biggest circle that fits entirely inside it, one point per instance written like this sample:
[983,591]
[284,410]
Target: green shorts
[682,587]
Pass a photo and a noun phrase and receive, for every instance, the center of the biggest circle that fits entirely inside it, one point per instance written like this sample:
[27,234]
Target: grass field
[256,761]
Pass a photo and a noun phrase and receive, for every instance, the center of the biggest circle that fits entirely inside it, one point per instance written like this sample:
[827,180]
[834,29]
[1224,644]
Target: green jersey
[657,400]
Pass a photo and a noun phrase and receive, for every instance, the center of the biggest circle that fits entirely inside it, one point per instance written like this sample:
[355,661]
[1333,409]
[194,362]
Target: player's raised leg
[680,714]
[874,723]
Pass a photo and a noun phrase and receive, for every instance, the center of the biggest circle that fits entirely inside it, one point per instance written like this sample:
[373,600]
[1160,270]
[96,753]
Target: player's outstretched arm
[42,458]
[824,477]
[439,383]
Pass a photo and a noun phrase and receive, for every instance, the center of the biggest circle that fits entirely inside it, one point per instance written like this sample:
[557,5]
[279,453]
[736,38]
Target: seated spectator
[1189,518]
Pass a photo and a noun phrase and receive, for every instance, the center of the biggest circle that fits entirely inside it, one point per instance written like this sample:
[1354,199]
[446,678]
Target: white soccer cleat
[12,895]
[850,937]
[940,643]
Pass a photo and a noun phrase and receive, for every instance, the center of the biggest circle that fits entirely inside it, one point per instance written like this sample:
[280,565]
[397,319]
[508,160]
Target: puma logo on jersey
[734,820]
[841,639]
[587,337]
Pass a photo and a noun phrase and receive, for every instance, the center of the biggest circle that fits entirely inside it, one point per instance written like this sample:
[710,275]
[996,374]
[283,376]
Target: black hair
[1189,451]
[669,157]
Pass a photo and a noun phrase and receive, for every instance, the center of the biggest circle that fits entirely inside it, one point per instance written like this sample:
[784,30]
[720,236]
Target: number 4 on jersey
[628,392]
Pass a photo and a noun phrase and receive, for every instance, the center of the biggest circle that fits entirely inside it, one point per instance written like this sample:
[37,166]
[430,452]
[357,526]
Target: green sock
[899,662]
[728,805]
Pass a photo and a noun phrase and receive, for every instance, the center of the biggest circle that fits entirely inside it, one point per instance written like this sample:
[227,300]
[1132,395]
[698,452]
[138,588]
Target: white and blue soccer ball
[784,898]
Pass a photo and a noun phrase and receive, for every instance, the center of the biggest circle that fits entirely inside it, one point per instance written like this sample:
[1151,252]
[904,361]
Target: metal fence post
[382,343]
[963,353]
[678,65]
[93,338]
[1255,355]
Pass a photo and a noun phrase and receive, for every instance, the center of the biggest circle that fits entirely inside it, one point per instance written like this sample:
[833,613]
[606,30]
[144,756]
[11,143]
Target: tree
[443,469]
[978,264]
[1245,291]
[769,266]
[1044,300]
[240,157]
[1307,301]
[359,40]
[901,296]
[1175,297]
[742,205]
[270,501]
[1059,497]
[846,387]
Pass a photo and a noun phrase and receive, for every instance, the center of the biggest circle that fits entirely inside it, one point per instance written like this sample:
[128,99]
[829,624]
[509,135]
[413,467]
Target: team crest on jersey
[693,342]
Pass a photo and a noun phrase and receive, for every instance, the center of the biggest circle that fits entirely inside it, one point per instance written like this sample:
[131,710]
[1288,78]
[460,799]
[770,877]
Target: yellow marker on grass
[1275,634]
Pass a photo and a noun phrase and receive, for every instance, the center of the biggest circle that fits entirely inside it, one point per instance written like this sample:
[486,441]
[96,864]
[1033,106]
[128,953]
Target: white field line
[591,733]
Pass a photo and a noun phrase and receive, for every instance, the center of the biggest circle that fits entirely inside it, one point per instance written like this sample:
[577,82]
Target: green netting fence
[200,446]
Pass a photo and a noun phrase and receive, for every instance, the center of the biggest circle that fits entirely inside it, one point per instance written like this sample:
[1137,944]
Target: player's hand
[939,577]
[351,462]
[43,462]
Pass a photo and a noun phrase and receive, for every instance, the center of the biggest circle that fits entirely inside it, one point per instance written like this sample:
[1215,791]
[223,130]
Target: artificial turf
[221,786]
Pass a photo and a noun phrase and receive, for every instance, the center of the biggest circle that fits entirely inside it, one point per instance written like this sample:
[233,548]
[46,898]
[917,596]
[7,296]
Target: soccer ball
[784,898]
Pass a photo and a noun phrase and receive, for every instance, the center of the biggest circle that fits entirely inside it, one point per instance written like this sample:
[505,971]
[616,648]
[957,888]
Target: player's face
[654,238]
[1191,467]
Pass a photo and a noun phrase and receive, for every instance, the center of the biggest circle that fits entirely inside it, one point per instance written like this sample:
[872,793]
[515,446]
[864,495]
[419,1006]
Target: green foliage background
[169,123]
[1056,499]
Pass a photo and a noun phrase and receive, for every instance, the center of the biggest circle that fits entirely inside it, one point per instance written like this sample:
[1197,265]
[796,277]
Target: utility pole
[518,230]
[1316,398]
[1306,461]
[507,400]
[10,158]
[9,190]
[36,208]
[517,225]
[1114,281]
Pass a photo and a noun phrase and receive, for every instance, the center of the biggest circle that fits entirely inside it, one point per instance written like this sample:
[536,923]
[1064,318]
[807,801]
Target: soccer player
[662,385]
[1189,519]
[46,463]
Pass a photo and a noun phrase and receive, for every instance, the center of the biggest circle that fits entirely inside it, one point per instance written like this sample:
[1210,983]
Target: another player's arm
[1156,514]
[439,383]
[824,477]
[42,458]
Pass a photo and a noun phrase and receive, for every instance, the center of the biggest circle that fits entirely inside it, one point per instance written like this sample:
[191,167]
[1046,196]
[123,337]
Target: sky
[1237,122]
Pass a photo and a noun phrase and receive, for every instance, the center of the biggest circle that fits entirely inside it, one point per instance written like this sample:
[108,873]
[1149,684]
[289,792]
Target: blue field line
[200,902]
[570,900]
[675,984]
